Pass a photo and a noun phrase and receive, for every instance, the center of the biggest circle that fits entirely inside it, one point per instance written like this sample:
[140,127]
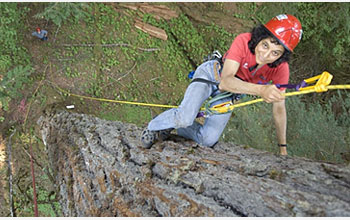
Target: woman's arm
[280,118]
[270,93]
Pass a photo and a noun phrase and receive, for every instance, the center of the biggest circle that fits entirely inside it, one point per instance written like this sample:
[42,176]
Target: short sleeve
[237,49]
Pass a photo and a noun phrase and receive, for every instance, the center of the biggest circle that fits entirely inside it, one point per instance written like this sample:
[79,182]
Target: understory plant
[313,131]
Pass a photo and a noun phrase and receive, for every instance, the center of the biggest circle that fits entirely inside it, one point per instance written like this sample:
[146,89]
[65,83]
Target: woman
[253,64]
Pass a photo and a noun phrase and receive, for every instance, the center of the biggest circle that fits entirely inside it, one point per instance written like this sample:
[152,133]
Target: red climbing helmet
[38,29]
[287,29]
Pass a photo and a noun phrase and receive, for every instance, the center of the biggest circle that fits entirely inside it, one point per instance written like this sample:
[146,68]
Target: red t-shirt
[240,52]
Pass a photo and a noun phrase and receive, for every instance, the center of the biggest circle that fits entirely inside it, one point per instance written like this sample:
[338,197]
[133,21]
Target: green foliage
[10,50]
[173,59]
[217,37]
[189,38]
[59,12]
[128,114]
[325,42]
[252,125]
[327,31]
[339,103]
[45,207]
[12,53]
[309,129]
[14,80]
[308,133]
[247,11]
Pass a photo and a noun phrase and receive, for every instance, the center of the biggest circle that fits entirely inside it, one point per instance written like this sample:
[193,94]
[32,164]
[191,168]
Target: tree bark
[101,170]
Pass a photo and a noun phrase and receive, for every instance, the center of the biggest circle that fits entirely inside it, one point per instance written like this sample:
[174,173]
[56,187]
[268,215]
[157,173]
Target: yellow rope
[224,108]
[114,101]
[338,87]
[231,107]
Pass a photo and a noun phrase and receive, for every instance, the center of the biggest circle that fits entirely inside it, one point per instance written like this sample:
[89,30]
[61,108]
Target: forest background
[95,50]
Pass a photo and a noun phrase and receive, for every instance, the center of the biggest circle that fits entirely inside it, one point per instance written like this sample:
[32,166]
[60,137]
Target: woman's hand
[270,93]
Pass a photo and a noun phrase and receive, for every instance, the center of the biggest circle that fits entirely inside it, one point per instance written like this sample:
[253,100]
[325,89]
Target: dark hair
[259,33]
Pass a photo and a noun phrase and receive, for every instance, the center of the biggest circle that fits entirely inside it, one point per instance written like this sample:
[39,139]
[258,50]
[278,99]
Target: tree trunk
[157,11]
[101,170]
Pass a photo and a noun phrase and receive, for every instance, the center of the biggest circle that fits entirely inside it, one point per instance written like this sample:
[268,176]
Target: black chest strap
[205,81]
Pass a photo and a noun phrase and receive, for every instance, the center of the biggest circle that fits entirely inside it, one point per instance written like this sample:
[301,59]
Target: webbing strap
[219,96]
[205,81]
[292,86]
[216,98]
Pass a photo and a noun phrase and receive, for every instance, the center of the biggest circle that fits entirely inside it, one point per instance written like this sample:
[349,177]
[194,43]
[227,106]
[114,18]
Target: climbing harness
[224,95]
[209,111]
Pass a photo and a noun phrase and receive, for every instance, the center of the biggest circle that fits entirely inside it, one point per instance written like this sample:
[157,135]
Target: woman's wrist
[283,149]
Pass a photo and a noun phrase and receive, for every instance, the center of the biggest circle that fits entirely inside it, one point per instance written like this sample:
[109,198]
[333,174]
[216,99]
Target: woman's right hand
[270,93]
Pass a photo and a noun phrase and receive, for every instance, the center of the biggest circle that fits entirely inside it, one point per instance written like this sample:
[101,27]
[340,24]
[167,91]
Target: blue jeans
[183,117]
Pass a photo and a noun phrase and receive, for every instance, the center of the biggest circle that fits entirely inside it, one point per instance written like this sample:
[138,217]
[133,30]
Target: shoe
[165,134]
[148,138]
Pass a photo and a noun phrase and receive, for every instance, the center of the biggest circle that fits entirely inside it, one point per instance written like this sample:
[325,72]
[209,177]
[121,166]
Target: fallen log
[151,30]
[101,170]
[158,11]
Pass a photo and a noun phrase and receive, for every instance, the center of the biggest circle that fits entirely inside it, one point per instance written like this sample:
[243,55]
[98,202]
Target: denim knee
[183,120]
[209,141]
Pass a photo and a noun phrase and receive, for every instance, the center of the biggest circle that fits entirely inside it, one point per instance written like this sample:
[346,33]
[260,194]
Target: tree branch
[110,45]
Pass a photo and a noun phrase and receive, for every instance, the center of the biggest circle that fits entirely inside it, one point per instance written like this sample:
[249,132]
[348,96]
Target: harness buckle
[222,107]
[216,55]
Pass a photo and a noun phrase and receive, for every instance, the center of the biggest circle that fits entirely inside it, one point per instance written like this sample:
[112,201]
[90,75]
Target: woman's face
[267,51]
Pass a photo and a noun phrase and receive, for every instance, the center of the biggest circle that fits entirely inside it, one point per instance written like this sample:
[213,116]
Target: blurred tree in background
[59,12]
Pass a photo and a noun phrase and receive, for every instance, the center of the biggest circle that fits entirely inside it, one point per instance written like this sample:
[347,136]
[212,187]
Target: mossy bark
[101,170]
